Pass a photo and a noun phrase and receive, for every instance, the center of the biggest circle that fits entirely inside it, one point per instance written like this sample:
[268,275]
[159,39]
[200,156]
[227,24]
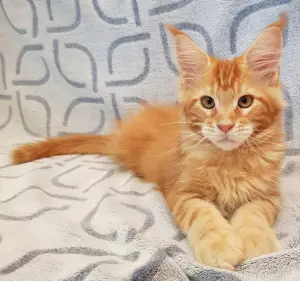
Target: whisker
[253,148]
[177,148]
[187,139]
[253,142]
[266,140]
[193,148]
[176,123]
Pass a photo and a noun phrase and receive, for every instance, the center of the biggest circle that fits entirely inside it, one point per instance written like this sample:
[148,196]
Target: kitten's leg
[253,223]
[210,235]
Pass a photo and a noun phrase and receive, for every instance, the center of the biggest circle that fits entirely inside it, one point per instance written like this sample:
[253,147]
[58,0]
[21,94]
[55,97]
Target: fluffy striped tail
[70,144]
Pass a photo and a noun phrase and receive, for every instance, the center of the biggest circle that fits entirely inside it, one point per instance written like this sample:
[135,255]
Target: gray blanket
[76,65]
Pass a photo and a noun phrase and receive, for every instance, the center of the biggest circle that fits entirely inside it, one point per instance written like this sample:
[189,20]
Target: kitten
[215,157]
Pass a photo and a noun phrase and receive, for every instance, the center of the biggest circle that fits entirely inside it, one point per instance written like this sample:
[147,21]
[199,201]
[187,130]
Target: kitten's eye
[245,101]
[207,102]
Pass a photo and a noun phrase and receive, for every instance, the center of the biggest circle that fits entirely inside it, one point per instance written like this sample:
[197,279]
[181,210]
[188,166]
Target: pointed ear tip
[280,23]
[283,20]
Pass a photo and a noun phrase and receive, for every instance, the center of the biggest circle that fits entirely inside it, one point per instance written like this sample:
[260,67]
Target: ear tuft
[282,22]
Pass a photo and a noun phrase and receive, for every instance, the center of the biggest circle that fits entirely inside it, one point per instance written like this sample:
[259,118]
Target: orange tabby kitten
[215,157]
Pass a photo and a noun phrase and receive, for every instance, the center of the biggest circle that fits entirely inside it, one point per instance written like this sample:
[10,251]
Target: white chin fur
[227,145]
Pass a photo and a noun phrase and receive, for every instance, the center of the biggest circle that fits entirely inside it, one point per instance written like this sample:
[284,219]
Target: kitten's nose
[225,128]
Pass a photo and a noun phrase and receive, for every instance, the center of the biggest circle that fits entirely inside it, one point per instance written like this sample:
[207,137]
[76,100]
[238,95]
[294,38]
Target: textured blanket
[74,66]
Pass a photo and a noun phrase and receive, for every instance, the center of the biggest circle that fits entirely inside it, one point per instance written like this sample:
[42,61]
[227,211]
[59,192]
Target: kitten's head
[229,101]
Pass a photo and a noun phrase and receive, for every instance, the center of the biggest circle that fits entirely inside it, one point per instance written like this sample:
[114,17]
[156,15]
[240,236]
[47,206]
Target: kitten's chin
[227,145]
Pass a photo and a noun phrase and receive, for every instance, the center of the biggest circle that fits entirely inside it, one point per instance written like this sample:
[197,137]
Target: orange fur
[223,194]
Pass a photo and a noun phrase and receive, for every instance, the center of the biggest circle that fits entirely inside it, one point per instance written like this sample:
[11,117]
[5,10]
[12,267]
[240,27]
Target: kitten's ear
[263,57]
[192,60]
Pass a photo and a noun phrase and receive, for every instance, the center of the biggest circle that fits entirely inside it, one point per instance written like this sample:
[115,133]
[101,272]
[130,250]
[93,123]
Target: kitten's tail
[70,144]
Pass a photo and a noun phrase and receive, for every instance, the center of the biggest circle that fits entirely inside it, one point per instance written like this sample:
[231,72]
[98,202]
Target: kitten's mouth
[226,140]
[227,144]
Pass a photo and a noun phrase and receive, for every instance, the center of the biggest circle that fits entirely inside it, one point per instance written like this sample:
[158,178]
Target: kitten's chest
[233,181]
[231,188]
[231,191]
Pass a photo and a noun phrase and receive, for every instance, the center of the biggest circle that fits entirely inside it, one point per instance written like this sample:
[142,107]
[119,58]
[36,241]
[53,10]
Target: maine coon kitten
[215,157]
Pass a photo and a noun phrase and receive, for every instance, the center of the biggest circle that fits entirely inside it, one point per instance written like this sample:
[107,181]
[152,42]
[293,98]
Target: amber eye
[245,101]
[207,102]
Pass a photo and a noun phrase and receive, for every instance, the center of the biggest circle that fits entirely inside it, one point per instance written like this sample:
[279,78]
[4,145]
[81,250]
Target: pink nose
[225,128]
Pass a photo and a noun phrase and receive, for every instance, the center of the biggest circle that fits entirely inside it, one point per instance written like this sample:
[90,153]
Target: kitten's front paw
[258,241]
[220,248]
